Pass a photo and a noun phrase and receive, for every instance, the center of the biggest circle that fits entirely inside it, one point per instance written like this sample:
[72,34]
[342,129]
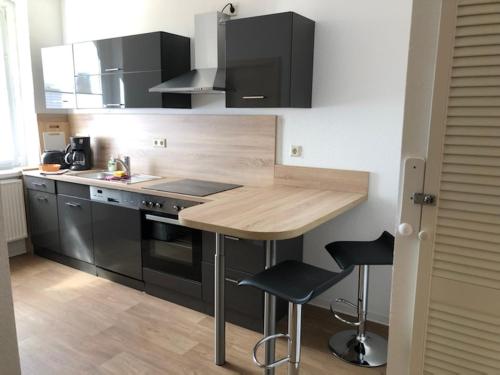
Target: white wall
[361,50]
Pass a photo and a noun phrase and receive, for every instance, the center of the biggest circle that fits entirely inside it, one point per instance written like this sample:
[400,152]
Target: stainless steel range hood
[209,75]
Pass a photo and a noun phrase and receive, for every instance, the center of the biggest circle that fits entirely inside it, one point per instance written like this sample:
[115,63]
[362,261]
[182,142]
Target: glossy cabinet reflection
[116,72]
[118,90]
[269,61]
[59,86]
[133,53]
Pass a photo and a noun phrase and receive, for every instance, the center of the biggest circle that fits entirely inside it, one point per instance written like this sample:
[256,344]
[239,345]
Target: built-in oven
[169,247]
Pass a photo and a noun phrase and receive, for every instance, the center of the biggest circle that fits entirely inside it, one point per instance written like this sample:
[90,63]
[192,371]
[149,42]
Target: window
[12,146]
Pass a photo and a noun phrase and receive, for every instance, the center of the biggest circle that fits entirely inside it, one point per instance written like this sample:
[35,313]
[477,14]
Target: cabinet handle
[113,105]
[42,199]
[70,204]
[251,97]
[232,281]
[39,184]
[232,238]
[112,69]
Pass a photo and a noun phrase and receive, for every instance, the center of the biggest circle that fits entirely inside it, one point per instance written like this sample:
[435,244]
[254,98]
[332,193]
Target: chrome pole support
[270,311]
[295,333]
[359,347]
[219,317]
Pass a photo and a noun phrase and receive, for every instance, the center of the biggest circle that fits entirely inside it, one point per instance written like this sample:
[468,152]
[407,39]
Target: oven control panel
[152,203]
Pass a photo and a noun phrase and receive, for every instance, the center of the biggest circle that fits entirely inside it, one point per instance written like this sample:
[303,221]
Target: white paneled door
[457,306]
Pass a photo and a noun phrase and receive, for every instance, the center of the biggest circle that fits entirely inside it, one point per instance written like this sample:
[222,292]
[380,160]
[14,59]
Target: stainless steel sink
[107,176]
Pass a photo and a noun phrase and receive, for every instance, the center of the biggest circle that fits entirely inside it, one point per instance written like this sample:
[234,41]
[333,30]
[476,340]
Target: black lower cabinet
[117,243]
[75,228]
[43,219]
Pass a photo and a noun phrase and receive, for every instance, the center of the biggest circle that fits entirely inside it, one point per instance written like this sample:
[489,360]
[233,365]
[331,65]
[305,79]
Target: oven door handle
[162,219]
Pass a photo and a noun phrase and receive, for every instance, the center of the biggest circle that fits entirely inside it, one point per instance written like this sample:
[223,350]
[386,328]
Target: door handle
[42,199]
[112,69]
[232,238]
[71,204]
[113,105]
[405,229]
[39,184]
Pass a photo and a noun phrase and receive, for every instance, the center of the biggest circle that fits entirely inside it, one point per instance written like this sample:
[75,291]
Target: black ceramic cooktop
[197,188]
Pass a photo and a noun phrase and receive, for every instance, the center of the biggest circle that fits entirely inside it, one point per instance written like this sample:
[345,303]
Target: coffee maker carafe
[78,154]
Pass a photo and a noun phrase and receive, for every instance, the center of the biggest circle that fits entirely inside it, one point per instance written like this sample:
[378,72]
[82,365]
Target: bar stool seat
[297,283]
[357,346]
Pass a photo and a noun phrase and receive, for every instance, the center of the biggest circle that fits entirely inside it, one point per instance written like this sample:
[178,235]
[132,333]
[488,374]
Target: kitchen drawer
[245,300]
[40,184]
[242,255]
[250,255]
[73,190]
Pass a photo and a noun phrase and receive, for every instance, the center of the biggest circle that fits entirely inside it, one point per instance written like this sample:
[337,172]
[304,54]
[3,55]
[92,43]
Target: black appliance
[169,247]
[54,157]
[78,154]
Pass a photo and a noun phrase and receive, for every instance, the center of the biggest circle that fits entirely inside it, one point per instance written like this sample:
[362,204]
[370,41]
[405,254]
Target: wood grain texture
[322,178]
[52,122]
[238,149]
[69,322]
[270,213]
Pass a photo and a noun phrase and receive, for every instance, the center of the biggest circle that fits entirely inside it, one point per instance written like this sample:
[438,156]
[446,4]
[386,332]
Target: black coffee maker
[78,154]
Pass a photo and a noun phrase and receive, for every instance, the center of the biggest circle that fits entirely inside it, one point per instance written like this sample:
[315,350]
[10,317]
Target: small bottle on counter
[111,164]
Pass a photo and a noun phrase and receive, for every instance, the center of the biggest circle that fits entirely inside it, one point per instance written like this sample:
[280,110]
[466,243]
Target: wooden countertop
[299,200]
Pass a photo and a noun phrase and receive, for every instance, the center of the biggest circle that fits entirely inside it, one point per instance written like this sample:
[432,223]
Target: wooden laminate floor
[70,322]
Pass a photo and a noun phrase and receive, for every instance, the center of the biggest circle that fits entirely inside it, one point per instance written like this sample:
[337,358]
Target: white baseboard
[16,248]
[371,316]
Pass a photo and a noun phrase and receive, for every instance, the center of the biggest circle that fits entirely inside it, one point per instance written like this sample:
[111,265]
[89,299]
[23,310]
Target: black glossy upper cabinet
[269,61]
[118,72]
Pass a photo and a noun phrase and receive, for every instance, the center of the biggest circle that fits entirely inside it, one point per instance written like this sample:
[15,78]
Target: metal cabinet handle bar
[232,238]
[113,105]
[232,281]
[250,97]
[262,341]
[70,204]
[39,184]
[112,69]
[162,219]
[43,199]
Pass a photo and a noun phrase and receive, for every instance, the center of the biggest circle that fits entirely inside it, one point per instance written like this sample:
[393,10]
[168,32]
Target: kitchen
[235,143]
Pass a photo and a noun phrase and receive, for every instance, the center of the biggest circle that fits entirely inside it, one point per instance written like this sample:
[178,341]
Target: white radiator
[13,211]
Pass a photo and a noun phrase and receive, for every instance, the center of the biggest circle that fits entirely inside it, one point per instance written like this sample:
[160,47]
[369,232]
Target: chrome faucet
[125,163]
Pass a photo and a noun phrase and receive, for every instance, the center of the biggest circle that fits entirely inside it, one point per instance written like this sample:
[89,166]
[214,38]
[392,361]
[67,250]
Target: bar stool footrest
[261,342]
[338,317]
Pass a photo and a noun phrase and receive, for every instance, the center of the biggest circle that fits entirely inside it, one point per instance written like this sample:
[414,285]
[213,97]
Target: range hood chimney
[209,75]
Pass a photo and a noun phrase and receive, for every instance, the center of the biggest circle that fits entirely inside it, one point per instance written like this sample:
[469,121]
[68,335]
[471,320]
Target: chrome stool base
[371,352]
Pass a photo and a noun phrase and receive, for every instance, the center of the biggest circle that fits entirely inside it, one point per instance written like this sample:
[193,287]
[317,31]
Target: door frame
[432,180]
[426,91]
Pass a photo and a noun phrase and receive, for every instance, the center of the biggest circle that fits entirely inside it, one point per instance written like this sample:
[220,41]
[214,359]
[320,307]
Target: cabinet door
[75,228]
[44,226]
[59,86]
[258,52]
[117,239]
[134,53]
[118,90]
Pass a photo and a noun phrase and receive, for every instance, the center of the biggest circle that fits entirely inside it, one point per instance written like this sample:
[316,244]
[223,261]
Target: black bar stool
[297,283]
[357,346]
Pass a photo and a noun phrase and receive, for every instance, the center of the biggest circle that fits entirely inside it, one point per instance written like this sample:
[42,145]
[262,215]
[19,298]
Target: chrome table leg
[219,318]
[270,310]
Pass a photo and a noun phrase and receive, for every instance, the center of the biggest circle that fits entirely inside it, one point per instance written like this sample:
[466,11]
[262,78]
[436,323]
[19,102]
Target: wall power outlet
[296,151]
[160,142]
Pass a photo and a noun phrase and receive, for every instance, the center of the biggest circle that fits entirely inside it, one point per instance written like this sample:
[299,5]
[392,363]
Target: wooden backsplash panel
[221,148]
[52,122]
